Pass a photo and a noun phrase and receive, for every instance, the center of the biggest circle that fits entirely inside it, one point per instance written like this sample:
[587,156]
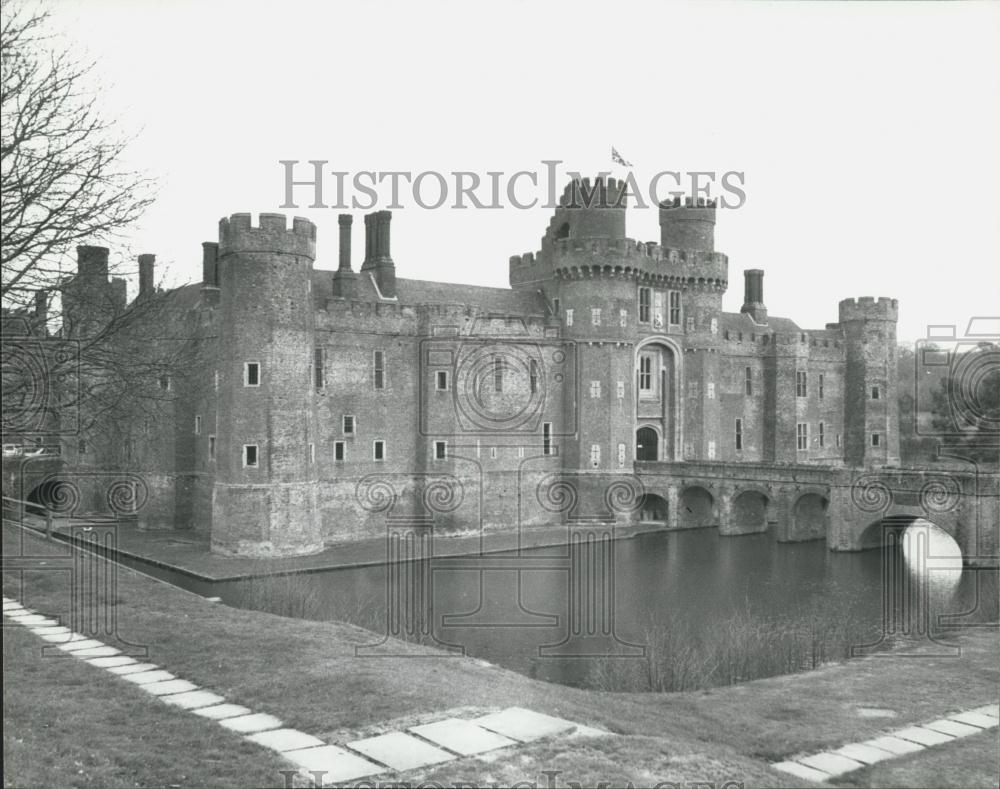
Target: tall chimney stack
[210,264]
[753,295]
[345,220]
[147,264]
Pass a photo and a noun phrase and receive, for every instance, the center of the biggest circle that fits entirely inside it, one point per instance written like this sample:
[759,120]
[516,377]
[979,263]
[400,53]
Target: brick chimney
[343,277]
[753,295]
[378,258]
[147,264]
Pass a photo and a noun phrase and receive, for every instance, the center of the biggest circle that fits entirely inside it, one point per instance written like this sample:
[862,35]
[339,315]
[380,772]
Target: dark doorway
[646,444]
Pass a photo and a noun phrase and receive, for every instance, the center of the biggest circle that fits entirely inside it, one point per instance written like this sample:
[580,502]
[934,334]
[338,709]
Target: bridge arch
[751,511]
[653,509]
[810,516]
[697,508]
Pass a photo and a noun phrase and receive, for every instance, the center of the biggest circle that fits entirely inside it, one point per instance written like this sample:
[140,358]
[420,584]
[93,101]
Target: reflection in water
[707,610]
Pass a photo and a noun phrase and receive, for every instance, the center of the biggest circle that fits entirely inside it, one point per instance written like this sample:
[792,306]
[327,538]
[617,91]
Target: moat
[708,609]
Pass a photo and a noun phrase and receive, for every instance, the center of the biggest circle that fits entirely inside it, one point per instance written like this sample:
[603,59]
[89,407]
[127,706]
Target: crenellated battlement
[867,308]
[272,234]
[599,193]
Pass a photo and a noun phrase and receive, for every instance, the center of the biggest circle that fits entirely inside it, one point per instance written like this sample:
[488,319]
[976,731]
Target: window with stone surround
[739,434]
[440,450]
[546,438]
[197,424]
[349,425]
[595,316]
[645,299]
[569,317]
[876,439]
[338,451]
[801,389]
[748,380]
[595,389]
[595,455]
[822,435]
[533,375]
[802,436]
[250,459]
[211,447]
[674,308]
[378,369]
[819,383]
[251,374]
[441,381]
[378,449]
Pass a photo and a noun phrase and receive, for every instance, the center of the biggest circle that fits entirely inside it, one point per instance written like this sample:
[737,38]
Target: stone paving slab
[49,630]
[62,638]
[145,677]
[86,643]
[220,711]
[461,736]
[253,723]
[923,736]
[168,686]
[523,725]
[96,652]
[894,745]
[587,731]
[801,771]
[335,764]
[32,619]
[831,763]
[133,668]
[285,739]
[194,699]
[110,662]
[990,709]
[400,751]
[954,728]
[975,719]
[864,753]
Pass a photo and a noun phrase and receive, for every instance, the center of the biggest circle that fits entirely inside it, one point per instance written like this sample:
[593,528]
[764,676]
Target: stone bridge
[845,506]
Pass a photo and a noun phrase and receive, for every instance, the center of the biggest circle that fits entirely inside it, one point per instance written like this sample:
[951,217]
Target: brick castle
[323,396]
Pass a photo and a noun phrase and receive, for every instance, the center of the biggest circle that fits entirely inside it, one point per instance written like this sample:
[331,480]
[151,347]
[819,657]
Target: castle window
[820,383]
[569,317]
[318,377]
[838,441]
[164,382]
[440,450]
[645,298]
[197,424]
[215,380]
[690,323]
[802,338]
[623,318]
[876,439]
[533,375]
[563,230]
[711,450]
[595,316]
[441,381]
[249,456]
[546,438]
[802,436]
[595,388]
[595,455]
[711,390]
[674,312]
[251,374]
[621,389]
[822,435]
[555,307]
[714,326]
[876,393]
[645,373]
[338,451]
[493,453]
[312,453]
[621,456]
[348,425]
[748,380]
[378,369]
[739,435]
[497,374]
[211,447]
[378,449]
[801,390]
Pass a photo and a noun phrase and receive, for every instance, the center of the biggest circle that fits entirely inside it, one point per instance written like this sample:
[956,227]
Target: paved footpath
[419,746]
[825,766]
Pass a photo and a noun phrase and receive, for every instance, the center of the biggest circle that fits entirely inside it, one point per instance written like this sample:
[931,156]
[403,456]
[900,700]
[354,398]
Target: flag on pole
[617,158]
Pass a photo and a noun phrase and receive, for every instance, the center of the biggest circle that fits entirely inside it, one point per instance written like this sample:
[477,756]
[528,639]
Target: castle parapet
[646,257]
[867,308]
[237,234]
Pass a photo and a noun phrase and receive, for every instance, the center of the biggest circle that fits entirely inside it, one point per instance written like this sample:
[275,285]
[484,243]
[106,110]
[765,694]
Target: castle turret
[871,410]
[264,498]
[589,210]
[688,225]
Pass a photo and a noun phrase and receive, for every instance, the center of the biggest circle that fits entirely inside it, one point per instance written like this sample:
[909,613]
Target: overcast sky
[867,132]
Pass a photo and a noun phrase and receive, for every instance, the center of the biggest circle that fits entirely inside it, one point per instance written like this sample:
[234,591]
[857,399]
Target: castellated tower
[871,411]
[264,500]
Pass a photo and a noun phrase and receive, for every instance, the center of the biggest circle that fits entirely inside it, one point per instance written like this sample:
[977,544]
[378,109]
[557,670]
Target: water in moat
[691,609]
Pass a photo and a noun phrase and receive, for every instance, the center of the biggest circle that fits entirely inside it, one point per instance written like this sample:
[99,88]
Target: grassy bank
[307,674]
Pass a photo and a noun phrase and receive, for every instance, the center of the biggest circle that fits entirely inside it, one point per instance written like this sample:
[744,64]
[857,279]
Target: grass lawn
[307,674]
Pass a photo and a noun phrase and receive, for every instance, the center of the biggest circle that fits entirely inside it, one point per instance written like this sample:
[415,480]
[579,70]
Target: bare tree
[61,177]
